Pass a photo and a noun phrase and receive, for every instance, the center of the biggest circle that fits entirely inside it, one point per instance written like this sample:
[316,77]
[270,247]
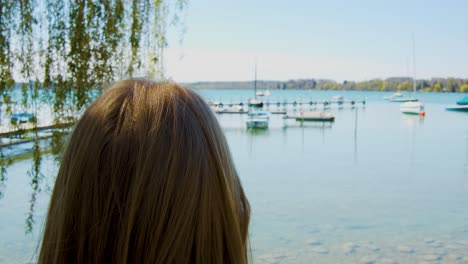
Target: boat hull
[458,108]
[403,100]
[312,116]
[412,108]
[255,103]
[258,105]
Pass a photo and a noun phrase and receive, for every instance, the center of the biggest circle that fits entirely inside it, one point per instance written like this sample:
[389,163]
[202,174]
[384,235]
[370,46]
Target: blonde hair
[147,177]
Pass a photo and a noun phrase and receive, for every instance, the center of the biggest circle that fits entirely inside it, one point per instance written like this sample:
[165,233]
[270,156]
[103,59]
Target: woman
[147,177]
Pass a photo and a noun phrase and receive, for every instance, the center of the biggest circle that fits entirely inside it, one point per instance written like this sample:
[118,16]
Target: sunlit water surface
[375,186]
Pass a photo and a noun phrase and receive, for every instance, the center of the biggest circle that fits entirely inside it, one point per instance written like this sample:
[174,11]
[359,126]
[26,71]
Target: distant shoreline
[400,84]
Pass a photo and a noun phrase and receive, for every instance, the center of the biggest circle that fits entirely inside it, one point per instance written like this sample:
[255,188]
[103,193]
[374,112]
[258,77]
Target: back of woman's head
[147,178]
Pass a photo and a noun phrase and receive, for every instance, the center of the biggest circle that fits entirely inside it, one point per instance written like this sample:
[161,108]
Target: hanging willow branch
[62,52]
[6,55]
[87,44]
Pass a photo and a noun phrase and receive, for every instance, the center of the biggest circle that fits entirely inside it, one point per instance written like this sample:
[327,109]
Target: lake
[375,186]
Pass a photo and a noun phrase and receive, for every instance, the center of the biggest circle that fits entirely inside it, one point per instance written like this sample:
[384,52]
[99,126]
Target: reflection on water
[466,154]
[253,132]
[36,178]
[355,135]
[34,152]
[413,122]
[4,163]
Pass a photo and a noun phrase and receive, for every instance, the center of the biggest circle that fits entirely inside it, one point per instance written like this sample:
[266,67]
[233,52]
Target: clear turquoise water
[375,186]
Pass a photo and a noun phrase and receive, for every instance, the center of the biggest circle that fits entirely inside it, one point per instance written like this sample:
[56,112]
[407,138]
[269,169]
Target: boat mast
[255,80]
[414,66]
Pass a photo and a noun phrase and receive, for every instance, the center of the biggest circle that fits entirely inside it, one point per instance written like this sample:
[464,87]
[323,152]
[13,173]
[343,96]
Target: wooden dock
[17,141]
[325,103]
[311,116]
[235,111]
[12,135]
[11,130]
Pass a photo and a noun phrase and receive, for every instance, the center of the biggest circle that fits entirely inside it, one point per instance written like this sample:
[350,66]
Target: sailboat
[413,107]
[254,102]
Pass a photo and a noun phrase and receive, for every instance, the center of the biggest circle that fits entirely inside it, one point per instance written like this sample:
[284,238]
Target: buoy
[423,114]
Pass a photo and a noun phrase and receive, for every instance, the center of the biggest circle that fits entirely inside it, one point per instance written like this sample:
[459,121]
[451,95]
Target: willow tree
[62,53]
[73,48]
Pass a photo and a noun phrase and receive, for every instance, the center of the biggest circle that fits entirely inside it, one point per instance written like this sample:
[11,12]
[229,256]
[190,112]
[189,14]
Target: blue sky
[341,40]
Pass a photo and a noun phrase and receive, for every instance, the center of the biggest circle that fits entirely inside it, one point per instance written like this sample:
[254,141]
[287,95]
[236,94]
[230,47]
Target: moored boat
[461,106]
[402,99]
[20,118]
[258,119]
[395,95]
[413,108]
[458,108]
[338,98]
[265,93]
[463,101]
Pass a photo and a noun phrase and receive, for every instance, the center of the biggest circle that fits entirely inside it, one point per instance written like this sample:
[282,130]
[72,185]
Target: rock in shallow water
[453,257]
[437,244]
[373,248]
[387,261]
[429,241]
[367,260]
[431,257]
[350,248]
[313,242]
[405,249]
[320,250]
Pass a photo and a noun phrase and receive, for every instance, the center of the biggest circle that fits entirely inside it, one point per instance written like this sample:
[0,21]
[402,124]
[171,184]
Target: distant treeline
[452,85]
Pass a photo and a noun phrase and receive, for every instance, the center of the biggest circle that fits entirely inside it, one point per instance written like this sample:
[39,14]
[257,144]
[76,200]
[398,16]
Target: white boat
[266,93]
[403,99]
[258,119]
[395,95]
[399,98]
[413,108]
[338,98]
